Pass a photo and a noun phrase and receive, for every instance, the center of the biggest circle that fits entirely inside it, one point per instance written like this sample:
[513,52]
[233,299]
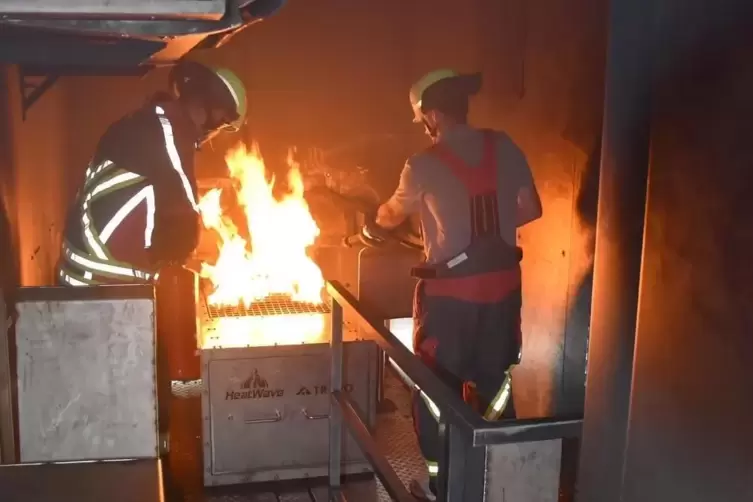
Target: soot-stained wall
[692,403]
[35,178]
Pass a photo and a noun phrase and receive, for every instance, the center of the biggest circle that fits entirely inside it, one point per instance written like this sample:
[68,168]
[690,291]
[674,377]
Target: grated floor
[396,436]
[394,433]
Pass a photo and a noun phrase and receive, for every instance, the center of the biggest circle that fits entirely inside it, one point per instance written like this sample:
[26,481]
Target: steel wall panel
[86,374]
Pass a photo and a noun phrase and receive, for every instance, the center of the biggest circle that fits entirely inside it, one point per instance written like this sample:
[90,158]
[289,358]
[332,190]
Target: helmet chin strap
[431,131]
[206,137]
[209,128]
[203,138]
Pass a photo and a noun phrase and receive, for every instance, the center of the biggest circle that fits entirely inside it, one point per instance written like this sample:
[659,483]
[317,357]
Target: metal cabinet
[86,371]
[266,410]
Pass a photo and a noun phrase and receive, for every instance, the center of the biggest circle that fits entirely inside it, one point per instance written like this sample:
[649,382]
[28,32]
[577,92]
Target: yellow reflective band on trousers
[499,403]
[433,468]
[496,407]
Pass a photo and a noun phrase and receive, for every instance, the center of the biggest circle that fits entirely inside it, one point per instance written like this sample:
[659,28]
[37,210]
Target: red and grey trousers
[467,331]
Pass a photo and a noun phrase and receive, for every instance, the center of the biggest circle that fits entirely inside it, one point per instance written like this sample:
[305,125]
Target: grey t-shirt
[430,189]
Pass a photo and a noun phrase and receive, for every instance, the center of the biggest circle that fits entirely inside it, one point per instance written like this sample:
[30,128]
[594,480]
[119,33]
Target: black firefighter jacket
[137,206]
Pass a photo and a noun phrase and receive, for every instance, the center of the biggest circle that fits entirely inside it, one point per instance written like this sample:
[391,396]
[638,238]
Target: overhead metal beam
[119,9]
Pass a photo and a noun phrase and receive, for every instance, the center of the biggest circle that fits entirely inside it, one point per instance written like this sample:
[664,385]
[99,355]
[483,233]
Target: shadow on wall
[9,266]
[577,327]
[697,281]
[9,275]
[571,398]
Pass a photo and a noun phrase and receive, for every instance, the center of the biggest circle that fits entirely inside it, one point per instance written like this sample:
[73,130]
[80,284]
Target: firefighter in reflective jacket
[137,209]
[472,189]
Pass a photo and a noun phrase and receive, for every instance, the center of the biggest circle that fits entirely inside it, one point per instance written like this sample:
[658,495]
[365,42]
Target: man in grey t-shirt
[471,189]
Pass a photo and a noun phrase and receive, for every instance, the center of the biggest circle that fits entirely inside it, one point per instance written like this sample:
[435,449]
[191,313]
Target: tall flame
[280,231]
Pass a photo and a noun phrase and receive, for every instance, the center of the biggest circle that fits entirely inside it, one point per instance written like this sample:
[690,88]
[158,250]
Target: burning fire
[276,262]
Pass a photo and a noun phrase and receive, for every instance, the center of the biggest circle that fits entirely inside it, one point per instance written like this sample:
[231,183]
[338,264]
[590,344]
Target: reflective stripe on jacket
[136,188]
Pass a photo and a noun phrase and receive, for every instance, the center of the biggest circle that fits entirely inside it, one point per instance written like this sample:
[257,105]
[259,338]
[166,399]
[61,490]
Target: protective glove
[370,236]
[174,245]
[371,233]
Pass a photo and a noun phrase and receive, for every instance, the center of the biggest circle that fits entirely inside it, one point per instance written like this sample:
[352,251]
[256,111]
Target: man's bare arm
[403,202]
[529,202]
[390,215]
[529,205]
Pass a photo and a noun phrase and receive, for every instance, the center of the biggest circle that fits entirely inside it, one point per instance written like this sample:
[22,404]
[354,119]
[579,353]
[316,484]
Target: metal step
[360,491]
[113,481]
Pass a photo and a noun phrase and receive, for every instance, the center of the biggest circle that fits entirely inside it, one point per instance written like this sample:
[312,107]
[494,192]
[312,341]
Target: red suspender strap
[479,182]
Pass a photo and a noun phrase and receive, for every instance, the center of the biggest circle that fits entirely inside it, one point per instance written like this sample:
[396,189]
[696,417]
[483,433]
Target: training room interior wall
[336,73]
[8,267]
[35,179]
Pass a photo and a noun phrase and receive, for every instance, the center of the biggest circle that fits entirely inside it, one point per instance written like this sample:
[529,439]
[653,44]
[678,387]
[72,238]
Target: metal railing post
[335,417]
[443,460]
[464,466]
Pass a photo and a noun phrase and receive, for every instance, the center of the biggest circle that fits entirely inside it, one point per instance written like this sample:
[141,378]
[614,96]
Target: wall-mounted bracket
[35,80]
[33,87]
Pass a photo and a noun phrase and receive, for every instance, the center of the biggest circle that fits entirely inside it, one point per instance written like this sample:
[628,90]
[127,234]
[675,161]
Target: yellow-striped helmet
[468,84]
[215,86]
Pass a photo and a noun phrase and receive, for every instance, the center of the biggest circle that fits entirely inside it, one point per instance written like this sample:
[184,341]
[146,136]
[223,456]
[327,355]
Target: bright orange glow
[266,331]
[281,231]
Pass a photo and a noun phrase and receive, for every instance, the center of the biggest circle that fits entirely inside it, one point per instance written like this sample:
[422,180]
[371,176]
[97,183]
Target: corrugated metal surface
[396,435]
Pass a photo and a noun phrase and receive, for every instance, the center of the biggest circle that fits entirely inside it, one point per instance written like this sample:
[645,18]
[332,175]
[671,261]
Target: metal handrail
[463,432]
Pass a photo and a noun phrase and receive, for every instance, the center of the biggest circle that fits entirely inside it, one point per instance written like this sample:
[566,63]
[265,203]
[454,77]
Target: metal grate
[186,389]
[270,306]
[397,437]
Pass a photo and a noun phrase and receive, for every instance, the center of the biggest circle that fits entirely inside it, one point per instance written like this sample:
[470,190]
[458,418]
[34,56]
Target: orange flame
[281,231]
